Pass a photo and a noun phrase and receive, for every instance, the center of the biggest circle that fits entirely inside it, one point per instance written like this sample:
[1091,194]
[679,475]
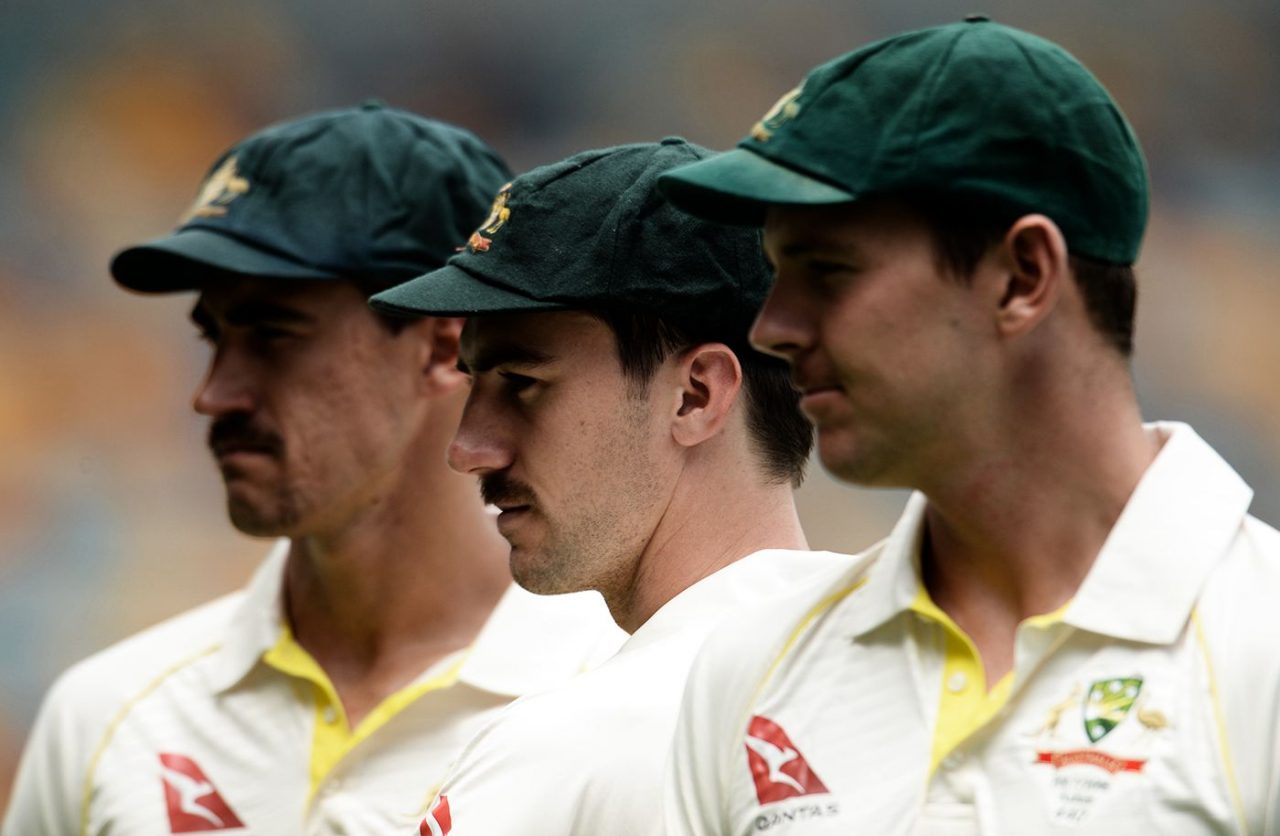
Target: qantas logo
[779,770]
[194,805]
[438,822]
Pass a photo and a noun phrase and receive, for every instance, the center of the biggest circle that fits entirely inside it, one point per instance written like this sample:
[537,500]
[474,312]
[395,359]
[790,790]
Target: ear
[1036,270]
[709,378]
[438,357]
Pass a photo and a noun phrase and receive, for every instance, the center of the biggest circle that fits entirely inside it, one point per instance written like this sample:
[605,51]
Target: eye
[517,383]
[823,269]
[268,333]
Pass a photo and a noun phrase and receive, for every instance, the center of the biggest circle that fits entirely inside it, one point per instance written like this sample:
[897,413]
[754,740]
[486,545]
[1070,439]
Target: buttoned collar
[528,643]
[255,626]
[1176,526]
[757,577]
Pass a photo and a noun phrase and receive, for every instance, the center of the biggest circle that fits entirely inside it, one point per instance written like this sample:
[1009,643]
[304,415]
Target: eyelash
[517,382]
[827,268]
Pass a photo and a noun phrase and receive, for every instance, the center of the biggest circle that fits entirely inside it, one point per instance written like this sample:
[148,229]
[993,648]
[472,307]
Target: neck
[409,579]
[712,520]
[1013,529]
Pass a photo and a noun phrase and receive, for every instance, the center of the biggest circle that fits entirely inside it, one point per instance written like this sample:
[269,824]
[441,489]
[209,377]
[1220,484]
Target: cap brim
[189,258]
[452,291]
[738,187]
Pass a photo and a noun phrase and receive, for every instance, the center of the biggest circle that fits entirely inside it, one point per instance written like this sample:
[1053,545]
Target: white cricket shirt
[217,720]
[588,757]
[1149,704]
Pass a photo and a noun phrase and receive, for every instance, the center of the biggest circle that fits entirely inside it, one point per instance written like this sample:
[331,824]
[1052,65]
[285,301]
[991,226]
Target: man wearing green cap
[1071,628]
[332,693]
[635,445]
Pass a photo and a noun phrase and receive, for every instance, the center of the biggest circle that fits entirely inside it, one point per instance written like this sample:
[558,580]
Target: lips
[818,396]
[229,450]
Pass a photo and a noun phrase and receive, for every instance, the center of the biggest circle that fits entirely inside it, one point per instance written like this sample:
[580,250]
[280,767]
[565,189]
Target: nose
[784,326]
[479,446]
[226,388]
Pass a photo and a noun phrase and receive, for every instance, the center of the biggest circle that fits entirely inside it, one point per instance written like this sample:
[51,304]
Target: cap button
[373,104]
[976,19]
[673,140]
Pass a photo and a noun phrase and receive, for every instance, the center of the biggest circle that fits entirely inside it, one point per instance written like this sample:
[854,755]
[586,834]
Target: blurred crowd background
[111,513]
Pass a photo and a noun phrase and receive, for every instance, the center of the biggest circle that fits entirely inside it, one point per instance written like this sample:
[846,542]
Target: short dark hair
[783,436]
[965,228]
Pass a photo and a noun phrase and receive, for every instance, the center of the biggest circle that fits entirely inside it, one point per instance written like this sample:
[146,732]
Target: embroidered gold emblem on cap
[498,215]
[222,187]
[784,110]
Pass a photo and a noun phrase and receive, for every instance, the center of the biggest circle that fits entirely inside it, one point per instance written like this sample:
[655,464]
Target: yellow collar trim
[332,737]
[965,704]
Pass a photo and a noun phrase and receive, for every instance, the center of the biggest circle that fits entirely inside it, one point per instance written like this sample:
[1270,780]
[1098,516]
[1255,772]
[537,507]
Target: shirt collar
[893,581]
[757,577]
[529,642]
[1176,526]
[255,626]
[534,642]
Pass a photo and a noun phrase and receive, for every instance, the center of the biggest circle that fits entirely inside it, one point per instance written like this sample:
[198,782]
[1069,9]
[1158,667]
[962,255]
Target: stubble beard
[276,518]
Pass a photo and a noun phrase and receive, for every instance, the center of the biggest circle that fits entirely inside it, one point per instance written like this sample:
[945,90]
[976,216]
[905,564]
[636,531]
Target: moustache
[501,489]
[234,432]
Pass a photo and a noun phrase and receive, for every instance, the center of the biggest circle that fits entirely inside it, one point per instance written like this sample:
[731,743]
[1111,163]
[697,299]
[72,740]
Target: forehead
[493,339]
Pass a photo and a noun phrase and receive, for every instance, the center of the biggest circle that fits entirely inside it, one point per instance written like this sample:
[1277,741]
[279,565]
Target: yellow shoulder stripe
[87,796]
[818,609]
[1224,744]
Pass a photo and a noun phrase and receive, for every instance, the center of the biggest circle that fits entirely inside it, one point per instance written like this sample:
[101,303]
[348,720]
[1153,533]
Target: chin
[538,574]
[256,521]
[853,466]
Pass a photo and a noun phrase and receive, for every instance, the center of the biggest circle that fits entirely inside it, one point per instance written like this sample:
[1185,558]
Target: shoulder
[752,647]
[99,684]
[600,715]
[740,652]
[586,757]
[1235,623]
[1243,591]
[83,706]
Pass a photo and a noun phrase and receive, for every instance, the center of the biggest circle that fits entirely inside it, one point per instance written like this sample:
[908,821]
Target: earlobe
[1035,267]
[710,379]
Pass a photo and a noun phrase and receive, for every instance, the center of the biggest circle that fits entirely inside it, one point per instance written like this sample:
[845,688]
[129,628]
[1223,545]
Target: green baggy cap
[972,108]
[369,193]
[592,232]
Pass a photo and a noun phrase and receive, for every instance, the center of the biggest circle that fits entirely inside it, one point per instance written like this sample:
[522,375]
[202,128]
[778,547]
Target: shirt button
[956,682]
[330,714]
[952,761]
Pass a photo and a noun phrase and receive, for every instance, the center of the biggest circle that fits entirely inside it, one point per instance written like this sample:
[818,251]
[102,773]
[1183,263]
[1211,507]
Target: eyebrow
[799,249]
[490,357]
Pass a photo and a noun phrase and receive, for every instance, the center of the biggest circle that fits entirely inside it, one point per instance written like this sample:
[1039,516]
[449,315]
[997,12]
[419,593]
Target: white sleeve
[694,794]
[1239,622]
[707,764]
[512,777]
[708,789]
[48,789]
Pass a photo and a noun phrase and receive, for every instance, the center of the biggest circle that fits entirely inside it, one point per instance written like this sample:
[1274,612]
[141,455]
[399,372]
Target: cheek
[343,422]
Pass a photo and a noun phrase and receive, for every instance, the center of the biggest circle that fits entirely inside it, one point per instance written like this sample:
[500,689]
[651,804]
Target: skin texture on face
[891,353]
[578,462]
[312,402]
